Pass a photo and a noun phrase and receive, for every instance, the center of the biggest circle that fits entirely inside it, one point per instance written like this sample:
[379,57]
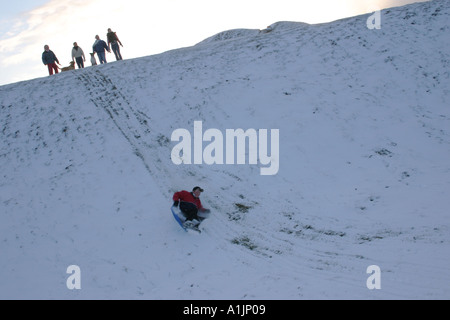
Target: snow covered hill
[364,174]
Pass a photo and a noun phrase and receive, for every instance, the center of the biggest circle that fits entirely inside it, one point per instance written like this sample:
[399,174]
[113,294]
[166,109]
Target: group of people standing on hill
[99,47]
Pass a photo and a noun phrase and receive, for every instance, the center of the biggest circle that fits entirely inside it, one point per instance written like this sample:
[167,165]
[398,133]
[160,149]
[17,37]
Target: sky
[144,27]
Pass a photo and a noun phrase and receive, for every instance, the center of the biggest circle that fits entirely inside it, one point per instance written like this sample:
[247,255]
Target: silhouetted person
[113,41]
[99,47]
[50,60]
[78,55]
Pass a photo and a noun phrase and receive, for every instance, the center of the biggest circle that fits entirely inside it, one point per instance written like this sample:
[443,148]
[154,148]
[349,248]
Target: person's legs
[51,67]
[80,62]
[116,50]
[101,57]
[189,210]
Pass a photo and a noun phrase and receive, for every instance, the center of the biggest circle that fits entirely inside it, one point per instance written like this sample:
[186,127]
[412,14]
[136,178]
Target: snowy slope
[364,176]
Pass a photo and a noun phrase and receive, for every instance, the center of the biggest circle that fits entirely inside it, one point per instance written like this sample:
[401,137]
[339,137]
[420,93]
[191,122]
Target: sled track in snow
[296,246]
[132,123]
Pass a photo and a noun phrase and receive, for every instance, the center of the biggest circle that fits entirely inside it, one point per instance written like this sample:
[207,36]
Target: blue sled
[177,217]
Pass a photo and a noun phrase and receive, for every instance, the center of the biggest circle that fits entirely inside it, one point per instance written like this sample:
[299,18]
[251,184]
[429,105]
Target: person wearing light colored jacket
[78,55]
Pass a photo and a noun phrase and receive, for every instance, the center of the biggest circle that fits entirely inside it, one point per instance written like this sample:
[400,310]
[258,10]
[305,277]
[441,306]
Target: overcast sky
[144,27]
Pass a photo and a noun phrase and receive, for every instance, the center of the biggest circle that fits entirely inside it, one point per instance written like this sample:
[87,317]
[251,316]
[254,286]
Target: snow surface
[364,176]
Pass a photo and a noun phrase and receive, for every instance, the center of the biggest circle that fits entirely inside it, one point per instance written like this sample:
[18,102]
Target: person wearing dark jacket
[113,41]
[99,47]
[49,59]
[190,203]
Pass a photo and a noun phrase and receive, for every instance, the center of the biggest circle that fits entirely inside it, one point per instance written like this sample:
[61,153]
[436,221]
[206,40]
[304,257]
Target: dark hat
[195,188]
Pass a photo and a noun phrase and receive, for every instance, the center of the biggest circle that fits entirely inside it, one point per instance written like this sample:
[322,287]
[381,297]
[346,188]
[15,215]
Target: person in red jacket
[190,203]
